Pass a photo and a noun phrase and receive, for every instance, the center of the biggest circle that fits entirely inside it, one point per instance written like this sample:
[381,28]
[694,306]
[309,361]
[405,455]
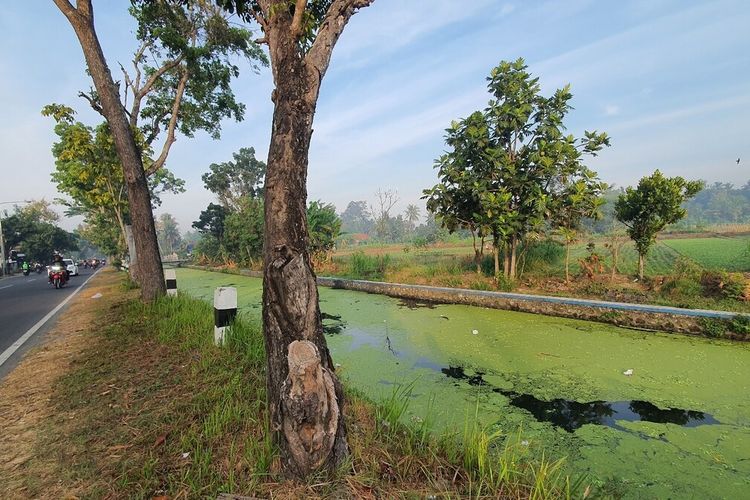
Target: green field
[730,254]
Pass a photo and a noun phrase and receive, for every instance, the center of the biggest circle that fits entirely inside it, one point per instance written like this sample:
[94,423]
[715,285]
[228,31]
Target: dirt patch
[25,396]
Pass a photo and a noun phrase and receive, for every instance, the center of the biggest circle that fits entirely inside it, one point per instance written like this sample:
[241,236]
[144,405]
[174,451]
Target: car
[71,266]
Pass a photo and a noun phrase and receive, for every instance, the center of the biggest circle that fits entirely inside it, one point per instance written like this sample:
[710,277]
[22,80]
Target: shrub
[724,284]
[363,266]
[682,287]
[712,327]
[740,325]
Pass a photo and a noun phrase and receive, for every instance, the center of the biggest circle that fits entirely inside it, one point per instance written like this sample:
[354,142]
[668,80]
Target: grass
[154,408]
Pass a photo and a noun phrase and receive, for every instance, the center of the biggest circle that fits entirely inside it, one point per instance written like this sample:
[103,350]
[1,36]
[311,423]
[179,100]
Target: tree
[32,231]
[233,181]
[356,218]
[88,171]
[305,398]
[412,216]
[168,233]
[148,272]
[211,221]
[500,177]
[647,209]
[578,197]
[180,82]
[386,200]
[243,231]
[323,226]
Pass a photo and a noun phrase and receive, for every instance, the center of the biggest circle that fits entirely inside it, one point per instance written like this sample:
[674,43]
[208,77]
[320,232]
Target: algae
[382,341]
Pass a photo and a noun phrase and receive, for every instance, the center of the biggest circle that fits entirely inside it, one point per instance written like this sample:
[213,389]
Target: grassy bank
[153,408]
[699,273]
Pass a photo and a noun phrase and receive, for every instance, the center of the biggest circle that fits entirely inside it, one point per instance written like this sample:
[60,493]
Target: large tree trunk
[513,248]
[305,397]
[148,273]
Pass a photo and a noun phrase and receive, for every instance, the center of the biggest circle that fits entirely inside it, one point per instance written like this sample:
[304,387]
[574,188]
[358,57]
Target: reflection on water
[571,415]
[416,304]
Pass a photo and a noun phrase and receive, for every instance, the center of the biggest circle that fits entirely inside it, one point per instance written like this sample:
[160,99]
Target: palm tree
[412,215]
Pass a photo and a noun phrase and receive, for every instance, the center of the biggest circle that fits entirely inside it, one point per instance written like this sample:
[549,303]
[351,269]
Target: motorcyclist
[25,267]
[58,261]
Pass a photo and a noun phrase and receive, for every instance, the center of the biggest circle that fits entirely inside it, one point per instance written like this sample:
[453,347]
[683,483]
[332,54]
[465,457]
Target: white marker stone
[170,276]
[225,310]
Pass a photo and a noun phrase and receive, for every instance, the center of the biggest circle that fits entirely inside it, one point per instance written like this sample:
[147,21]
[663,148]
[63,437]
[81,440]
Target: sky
[668,80]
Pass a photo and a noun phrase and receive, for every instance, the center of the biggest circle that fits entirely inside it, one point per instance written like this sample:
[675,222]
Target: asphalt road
[24,301]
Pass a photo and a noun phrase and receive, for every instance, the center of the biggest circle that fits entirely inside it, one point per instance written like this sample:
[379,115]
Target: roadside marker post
[170,276]
[225,310]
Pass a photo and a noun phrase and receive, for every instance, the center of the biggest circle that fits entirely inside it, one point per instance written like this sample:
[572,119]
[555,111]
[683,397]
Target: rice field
[714,253]
[730,254]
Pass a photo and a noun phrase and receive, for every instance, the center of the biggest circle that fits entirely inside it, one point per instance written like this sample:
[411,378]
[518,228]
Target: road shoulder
[26,391]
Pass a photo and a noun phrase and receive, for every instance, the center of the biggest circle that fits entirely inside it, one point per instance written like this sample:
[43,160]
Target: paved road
[25,300]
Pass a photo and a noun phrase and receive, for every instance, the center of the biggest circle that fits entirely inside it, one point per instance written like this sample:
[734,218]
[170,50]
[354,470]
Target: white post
[225,310]
[170,276]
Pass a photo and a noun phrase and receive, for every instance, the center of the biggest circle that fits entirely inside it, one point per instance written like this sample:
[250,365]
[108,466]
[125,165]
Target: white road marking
[31,331]
[6,286]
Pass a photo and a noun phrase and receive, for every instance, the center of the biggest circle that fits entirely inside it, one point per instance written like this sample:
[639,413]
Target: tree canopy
[509,165]
[648,208]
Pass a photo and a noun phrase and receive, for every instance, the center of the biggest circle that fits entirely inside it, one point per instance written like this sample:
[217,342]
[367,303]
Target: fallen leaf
[160,440]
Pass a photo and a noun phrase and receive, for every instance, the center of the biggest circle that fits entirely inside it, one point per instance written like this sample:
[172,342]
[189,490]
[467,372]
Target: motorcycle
[58,276]
[26,271]
[39,269]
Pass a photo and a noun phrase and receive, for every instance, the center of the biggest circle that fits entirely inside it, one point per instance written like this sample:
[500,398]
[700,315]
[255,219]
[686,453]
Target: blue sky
[669,80]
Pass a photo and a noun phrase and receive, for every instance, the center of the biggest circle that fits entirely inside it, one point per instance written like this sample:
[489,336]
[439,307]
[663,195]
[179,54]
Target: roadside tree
[305,398]
[180,81]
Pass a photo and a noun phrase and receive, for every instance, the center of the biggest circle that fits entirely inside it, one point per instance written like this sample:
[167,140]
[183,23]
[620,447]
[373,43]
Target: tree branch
[157,74]
[97,107]
[299,11]
[338,14]
[172,125]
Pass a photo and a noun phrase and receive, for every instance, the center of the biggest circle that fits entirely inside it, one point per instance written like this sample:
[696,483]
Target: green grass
[729,254]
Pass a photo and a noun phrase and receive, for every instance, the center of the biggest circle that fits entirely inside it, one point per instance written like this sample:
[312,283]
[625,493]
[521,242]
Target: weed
[713,327]
[740,324]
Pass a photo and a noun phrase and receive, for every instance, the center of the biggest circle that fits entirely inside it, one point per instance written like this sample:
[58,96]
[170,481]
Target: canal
[644,415]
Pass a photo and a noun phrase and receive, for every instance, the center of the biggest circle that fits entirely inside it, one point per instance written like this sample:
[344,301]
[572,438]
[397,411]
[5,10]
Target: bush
[724,284]
[543,254]
[740,325]
[682,287]
[715,328]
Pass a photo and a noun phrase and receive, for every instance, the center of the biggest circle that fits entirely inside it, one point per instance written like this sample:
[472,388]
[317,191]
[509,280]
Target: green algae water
[643,415]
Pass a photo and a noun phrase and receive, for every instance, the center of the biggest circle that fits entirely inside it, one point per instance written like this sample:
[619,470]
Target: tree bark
[567,261]
[513,247]
[496,258]
[148,273]
[641,259]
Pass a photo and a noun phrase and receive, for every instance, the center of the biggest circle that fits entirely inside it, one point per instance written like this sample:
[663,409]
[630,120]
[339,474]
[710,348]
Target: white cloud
[611,110]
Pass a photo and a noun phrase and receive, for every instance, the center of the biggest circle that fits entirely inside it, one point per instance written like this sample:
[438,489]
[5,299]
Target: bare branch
[299,11]
[172,125]
[95,105]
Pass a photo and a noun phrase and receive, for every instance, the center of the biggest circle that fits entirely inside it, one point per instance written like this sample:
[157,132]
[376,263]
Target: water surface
[677,427]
